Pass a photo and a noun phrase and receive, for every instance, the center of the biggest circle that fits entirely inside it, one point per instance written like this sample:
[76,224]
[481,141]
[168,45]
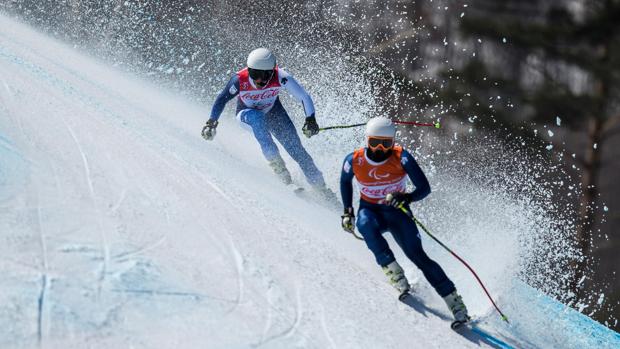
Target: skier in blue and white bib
[257,87]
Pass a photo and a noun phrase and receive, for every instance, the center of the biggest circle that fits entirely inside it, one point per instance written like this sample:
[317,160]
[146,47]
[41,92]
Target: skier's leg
[256,120]
[281,126]
[369,224]
[406,234]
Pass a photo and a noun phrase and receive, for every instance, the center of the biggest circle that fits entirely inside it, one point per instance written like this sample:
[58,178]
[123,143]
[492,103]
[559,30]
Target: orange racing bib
[376,180]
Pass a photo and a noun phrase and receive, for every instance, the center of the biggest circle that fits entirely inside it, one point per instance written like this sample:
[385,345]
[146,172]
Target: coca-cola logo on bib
[377,192]
[257,96]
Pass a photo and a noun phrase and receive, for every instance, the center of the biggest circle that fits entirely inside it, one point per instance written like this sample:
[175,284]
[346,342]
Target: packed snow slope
[121,227]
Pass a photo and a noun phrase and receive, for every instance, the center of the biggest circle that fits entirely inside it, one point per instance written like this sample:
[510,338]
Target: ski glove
[398,199]
[208,132]
[348,220]
[310,128]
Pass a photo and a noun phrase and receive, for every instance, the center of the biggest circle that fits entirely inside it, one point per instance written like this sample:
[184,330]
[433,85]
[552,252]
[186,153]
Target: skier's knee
[296,149]
[250,116]
[385,257]
[419,258]
[366,223]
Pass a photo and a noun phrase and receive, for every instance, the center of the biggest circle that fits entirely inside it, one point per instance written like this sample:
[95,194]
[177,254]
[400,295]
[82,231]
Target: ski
[412,287]
[325,198]
[457,325]
[471,326]
[468,329]
[297,189]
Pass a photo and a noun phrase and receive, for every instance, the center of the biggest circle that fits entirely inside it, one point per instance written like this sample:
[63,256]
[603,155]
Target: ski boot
[397,279]
[458,309]
[278,166]
[327,195]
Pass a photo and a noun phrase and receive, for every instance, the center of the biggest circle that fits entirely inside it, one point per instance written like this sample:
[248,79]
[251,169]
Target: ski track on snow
[232,247]
[287,332]
[125,256]
[325,329]
[120,201]
[102,234]
[44,275]
[234,250]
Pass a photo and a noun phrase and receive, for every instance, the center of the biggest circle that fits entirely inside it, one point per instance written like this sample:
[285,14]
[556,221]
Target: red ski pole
[457,257]
[414,123]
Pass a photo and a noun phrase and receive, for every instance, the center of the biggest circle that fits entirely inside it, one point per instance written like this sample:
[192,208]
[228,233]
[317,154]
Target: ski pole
[356,236]
[410,214]
[434,124]
[340,126]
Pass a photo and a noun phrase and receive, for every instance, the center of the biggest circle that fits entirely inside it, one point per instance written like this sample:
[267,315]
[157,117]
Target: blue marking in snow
[8,145]
[591,333]
[490,338]
[13,169]
[40,302]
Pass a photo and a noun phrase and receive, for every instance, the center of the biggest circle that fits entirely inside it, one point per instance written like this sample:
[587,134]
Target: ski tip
[403,295]
[456,325]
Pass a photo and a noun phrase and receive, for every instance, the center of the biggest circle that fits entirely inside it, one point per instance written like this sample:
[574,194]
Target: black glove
[310,128]
[348,220]
[398,199]
[208,132]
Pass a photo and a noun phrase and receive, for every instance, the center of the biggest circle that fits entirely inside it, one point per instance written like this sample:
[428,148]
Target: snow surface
[121,227]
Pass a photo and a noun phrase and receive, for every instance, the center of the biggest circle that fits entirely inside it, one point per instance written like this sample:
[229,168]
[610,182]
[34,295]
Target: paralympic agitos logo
[373,173]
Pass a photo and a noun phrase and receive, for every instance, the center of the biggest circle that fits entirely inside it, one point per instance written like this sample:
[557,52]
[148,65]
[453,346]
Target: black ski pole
[434,124]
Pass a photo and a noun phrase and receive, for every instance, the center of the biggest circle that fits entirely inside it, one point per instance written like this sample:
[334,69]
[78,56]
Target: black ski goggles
[380,142]
[262,75]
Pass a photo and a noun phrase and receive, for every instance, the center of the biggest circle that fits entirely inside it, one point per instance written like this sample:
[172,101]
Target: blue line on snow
[40,308]
[490,338]
[591,333]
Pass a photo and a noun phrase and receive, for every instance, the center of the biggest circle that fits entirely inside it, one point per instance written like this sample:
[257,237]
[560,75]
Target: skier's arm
[228,93]
[346,182]
[422,187]
[292,86]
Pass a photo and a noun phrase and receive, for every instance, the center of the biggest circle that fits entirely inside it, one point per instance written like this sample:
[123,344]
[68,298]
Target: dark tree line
[565,70]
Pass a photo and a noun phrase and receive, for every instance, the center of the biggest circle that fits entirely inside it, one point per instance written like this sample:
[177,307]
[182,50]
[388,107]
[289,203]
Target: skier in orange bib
[382,170]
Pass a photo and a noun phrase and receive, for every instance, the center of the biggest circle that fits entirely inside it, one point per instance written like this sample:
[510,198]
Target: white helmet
[261,59]
[380,127]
